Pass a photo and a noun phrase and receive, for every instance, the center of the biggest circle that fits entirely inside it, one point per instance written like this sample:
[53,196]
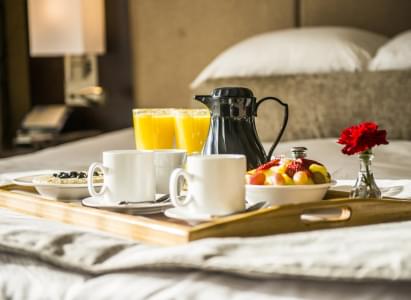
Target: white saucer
[185,215]
[130,207]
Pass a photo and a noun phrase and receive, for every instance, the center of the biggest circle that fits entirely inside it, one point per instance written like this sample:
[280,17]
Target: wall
[387,17]
[16,71]
[174,40]
[3,106]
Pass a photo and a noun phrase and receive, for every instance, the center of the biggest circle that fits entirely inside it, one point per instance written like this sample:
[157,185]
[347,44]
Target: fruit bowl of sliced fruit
[285,181]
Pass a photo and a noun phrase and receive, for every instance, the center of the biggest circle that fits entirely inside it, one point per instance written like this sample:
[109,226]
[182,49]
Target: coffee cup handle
[175,197]
[90,184]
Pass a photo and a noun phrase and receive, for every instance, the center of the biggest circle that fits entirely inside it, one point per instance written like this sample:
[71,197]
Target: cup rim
[216,156]
[126,151]
[154,111]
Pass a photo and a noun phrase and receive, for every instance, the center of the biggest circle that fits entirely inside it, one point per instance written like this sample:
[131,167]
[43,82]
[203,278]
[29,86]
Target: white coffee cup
[165,161]
[128,176]
[216,184]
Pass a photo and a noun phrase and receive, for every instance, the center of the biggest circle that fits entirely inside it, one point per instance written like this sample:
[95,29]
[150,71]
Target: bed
[41,259]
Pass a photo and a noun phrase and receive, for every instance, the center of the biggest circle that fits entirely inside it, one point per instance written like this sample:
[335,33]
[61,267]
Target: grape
[318,178]
[300,177]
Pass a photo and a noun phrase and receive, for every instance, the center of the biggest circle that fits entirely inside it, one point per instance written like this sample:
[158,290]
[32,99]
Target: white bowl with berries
[61,185]
[284,181]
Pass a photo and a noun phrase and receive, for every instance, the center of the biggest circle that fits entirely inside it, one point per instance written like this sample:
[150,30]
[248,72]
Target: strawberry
[295,166]
[257,178]
[268,165]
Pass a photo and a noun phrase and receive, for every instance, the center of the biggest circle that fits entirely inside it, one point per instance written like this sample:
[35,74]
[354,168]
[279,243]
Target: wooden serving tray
[337,211]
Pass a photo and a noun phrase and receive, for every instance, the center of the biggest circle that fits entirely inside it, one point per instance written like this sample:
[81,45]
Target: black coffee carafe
[232,127]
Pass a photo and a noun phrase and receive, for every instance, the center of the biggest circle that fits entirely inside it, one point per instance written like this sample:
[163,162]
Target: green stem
[367,176]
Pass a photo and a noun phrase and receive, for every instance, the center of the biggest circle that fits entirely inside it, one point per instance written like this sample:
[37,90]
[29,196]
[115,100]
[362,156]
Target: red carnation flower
[362,137]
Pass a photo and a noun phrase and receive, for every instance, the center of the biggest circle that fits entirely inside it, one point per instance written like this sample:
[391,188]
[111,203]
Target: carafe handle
[285,121]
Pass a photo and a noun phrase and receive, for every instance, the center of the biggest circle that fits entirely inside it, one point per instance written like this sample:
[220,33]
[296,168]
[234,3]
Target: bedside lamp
[74,29]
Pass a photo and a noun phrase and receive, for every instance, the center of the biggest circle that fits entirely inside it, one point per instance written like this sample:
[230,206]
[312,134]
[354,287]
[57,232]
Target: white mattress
[391,162]
[22,277]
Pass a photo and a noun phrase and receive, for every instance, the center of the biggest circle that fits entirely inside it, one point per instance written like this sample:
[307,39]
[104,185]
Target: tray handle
[326,214]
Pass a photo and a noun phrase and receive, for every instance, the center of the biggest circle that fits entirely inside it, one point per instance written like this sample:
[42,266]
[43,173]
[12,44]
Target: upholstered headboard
[174,40]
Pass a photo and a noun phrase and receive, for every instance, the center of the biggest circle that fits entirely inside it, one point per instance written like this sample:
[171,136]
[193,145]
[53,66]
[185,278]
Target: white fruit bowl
[285,194]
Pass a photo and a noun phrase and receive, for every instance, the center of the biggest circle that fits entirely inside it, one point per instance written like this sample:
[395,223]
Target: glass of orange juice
[191,129]
[153,128]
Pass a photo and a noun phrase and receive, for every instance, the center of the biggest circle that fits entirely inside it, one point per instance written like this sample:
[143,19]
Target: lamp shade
[66,27]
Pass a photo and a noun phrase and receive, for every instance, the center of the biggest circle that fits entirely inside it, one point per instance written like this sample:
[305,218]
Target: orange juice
[191,128]
[153,128]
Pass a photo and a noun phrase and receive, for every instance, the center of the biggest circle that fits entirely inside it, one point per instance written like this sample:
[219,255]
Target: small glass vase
[365,186]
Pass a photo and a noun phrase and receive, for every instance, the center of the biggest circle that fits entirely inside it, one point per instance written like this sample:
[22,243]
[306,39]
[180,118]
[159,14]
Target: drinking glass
[191,129]
[153,128]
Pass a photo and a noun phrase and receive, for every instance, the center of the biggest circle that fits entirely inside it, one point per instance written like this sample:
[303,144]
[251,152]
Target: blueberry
[64,175]
[82,175]
[73,174]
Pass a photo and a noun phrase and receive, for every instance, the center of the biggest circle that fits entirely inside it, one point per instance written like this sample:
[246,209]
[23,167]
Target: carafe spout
[205,99]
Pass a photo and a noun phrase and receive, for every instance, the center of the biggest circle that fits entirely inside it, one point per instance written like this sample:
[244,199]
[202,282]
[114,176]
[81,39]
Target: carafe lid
[232,92]
[299,152]
[238,102]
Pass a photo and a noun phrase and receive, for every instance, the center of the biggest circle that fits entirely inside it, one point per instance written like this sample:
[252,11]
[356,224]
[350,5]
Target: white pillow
[396,54]
[294,51]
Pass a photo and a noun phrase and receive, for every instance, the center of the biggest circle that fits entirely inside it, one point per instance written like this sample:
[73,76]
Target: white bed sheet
[75,155]
[25,278]
[391,162]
